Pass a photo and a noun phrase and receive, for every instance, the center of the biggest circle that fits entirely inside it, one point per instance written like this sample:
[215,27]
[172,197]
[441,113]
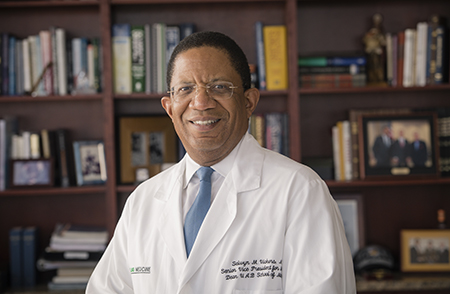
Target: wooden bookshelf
[313,27]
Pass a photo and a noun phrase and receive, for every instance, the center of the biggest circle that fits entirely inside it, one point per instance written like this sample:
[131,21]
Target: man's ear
[166,103]
[251,100]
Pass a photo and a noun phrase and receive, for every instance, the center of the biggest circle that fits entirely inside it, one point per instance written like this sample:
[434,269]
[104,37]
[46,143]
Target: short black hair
[216,40]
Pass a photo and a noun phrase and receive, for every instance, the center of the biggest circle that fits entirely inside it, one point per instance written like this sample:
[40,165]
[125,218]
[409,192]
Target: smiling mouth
[205,122]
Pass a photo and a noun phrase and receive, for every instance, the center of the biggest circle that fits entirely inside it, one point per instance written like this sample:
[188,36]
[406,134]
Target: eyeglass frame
[206,87]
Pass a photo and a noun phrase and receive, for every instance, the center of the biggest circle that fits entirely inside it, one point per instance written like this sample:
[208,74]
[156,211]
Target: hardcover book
[138,58]
[121,52]
[275,52]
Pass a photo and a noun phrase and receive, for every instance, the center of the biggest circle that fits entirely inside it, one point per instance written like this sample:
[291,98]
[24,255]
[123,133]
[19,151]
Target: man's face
[209,128]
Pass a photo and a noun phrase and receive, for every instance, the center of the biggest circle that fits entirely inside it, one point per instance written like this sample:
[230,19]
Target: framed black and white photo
[146,143]
[351,208]
[90,164]
[425,250]
[403,145]
[32,173]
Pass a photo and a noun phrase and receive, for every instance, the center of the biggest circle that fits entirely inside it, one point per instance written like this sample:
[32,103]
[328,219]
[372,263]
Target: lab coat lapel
[171,224]
[244,176]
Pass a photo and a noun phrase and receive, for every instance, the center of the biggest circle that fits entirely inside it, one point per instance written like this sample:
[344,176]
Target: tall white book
[62,60]
[409,58]
[121,51]
[421,54]
[26,65]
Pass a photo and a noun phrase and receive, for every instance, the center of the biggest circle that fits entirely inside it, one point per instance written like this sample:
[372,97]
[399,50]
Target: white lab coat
[272,228]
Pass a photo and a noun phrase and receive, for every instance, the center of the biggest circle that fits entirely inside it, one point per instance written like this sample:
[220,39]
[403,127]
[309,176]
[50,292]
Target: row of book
[418,56]
[271,54]
[346,141]
[49,63]
[141,53]
[332,71]
[271,130]
[22,253]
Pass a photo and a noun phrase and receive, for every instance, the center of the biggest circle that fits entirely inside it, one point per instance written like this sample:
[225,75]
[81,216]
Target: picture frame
[398,145]
[32,173]
[146,143]
[90,163]
[425,250]
[352,212]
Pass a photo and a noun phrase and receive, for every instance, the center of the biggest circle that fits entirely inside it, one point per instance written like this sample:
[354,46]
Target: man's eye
[185,89]
[219,86]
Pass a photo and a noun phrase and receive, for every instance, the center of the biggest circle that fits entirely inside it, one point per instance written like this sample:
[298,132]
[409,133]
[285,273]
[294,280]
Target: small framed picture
[90,164]
[351,208]
[425,250]
[403,145]
[32,173]
[146,143]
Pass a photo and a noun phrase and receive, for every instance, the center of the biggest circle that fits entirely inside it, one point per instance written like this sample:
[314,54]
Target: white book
[409,58]
[26,143]
[121,55]
[26,65]
[46,52]
[62,60]
[159,29]
[35,148]
[36,65]
[336,153]
[347,152]
[421,54]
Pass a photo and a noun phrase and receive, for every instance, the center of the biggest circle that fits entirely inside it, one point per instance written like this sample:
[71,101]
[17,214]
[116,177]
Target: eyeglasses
[219,90]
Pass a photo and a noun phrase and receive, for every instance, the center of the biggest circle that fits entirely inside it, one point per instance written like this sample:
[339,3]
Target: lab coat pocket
[257,291]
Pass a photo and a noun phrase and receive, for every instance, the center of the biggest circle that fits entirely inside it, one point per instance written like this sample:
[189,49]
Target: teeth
[205,122]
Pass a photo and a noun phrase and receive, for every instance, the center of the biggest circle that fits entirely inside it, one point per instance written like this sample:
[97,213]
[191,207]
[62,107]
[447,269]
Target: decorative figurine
[375,48]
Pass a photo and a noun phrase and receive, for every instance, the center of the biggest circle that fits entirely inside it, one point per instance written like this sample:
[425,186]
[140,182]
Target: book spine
[5,63]
[274,132]
[332,61]
[46,53]
[55,61]
[409,56]
[394,60]
[12,66]
[401,57]
[336,152]
[26,65]
[61,57]
[441,55]
[15,254]
[187,29]
[19,68]
[389,59]
[275,52]
[121,43]
[421,51]
[172,39]
[346,139]
[340,126]
[97,71]
[261,63]
[340,69]
[29,256]
[138,59]
[148,58]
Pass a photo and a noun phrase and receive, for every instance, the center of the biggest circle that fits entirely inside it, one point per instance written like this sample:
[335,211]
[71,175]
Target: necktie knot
[204,173]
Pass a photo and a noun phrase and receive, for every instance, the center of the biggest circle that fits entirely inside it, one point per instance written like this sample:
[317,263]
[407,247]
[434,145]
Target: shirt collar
[223,167]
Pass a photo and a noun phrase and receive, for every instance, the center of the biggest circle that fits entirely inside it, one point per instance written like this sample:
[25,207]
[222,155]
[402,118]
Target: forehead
[203,64]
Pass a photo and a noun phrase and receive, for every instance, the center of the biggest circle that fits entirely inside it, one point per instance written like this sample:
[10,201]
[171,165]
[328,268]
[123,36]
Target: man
[382,148]
[400,151]
[272,225]
[419,152]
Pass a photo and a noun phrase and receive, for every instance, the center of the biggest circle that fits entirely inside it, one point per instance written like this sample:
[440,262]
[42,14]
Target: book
[121,54]
[335,138]
[409,58]
[5,64]
[12,66]
[277,137]
[15,257]
[173,37]
[159,56]
[400,57]
[148,58]
[68,237]
[186,29]
[79,63]
[332,60]
[332,80]
[29,239]
[389,58]
[275,53]
[64,159]
[138,61]
[46,51]
[19,71]
[441,75]
[261,62]
[26,66]
[330,69]
[421,54]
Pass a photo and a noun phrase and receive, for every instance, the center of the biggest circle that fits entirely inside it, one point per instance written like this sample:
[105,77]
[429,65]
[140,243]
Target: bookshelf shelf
[9,99]
[387,183]
[443,87]
[53,191]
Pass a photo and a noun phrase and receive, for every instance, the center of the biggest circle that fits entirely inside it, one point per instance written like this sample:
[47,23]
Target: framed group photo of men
[398,145]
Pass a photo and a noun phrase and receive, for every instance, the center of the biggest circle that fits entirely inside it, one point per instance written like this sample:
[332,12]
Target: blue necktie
[199,208]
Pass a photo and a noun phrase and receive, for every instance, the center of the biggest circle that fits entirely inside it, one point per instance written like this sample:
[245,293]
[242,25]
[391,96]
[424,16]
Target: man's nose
[202,99]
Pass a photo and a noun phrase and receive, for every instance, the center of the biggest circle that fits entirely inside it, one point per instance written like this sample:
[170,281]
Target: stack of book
[271,130]
[49,63]
[141,53]
[332,71]
[418,56]
[73,251]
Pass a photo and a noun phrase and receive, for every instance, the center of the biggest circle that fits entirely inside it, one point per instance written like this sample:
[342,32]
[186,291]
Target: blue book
[5,64]
[332,61]
[15,256]
[29,256]
[261,62]
[12,66]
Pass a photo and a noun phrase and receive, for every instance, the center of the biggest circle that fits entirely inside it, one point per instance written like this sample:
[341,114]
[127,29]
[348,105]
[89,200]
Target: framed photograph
[425,250]
[351,208]
[398,145]
[145,144]
[90,164]
[32,173]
